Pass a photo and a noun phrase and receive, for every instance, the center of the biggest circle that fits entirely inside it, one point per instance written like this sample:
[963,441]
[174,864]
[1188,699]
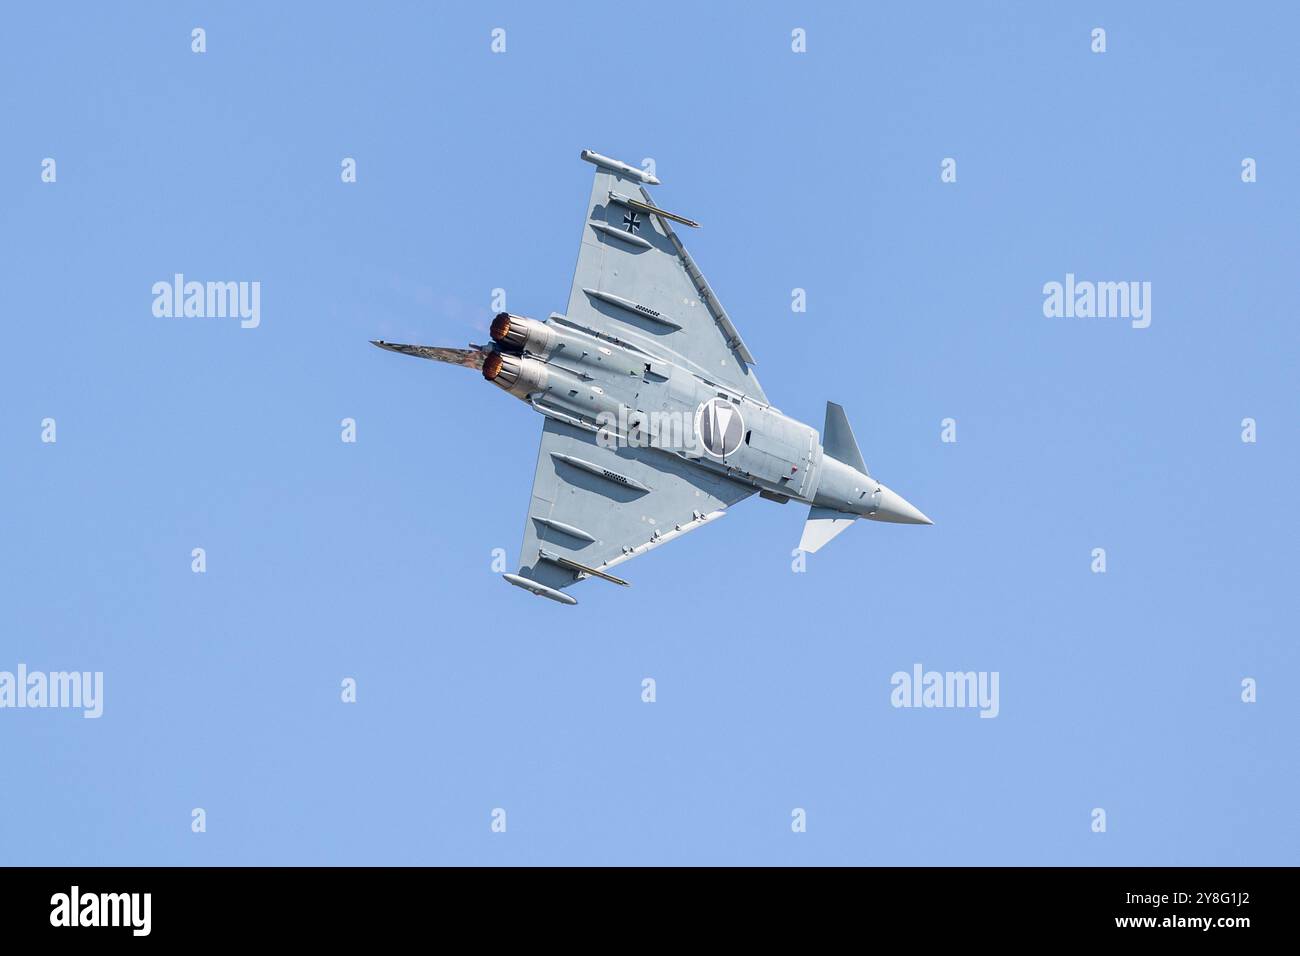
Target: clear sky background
[372,560]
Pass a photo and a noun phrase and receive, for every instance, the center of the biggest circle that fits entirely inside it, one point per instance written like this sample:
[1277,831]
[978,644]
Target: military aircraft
[654,420]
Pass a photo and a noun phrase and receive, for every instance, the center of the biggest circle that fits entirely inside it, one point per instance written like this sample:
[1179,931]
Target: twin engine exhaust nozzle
[506,368]
[517,333]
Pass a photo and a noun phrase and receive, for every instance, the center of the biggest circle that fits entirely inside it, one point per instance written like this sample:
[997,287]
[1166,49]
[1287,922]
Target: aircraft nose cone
[891,506]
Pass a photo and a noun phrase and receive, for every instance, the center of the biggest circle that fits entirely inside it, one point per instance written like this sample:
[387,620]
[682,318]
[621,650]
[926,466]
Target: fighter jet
[655,422]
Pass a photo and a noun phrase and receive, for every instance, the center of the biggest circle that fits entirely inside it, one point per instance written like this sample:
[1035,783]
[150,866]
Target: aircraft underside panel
[636,281]
[595,508]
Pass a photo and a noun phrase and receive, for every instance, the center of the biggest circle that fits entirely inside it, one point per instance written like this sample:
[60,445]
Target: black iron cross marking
[633,222]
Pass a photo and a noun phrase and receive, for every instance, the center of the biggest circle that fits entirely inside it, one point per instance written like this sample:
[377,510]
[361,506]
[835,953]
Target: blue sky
[371,560]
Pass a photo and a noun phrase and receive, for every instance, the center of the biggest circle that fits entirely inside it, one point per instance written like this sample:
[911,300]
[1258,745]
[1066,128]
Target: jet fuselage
[631,398]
